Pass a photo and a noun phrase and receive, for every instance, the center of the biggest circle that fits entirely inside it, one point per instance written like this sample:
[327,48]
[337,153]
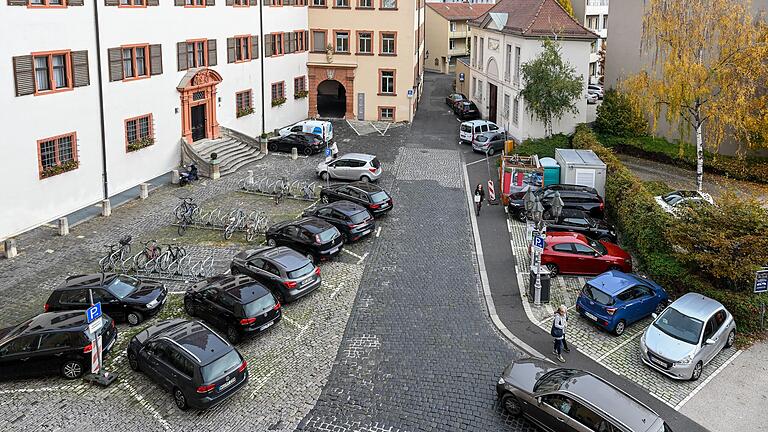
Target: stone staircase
[233,151]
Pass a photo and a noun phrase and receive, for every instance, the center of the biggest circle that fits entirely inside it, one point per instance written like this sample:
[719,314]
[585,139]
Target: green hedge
[544,147]
[660,150]
[643,225]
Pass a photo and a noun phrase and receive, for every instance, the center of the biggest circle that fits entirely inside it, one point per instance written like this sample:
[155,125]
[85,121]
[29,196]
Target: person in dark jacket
[479,198]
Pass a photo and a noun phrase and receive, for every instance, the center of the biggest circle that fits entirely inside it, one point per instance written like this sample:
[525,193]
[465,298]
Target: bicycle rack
[267,186]
[228,221]
[183,268]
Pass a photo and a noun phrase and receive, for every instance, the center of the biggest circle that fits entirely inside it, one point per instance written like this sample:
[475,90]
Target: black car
[287,273]
[352,220]
[315,238]
[370,196]
[122,297]
[575,197]
[52,343]
[466,110]
[452,98]
[580,222]
[199,367]
[305,143]
[236,305]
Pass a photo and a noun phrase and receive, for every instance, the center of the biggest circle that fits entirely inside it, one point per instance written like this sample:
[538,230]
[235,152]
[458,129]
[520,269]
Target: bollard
[294,153]
[63,226]
[263,146]
[144,190]
[215,173]
[106,208]
[10,248]
[175,176]
[250,177]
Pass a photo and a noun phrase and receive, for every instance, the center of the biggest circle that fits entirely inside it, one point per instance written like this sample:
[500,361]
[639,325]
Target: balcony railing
[459,34]
[597,2]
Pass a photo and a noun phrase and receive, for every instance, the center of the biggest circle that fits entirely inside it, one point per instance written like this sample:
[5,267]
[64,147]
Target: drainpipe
[261,48]
[101,100]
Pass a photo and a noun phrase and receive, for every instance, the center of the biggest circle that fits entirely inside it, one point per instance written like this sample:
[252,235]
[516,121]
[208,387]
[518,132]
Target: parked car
[351,166]
[469,129]
[187,358]
[319,128]
[489,142]
[52,343]
[687,336]
[575,197]
[452,98]
[370,196]
[305,143]
[124,298]
[597,90]
[571,400]
[592,98]
[466,110]
[315,238]
[287,273]
[573,253]
[615,299]
[352,220]
[673,202]
[581,222]
[235,304]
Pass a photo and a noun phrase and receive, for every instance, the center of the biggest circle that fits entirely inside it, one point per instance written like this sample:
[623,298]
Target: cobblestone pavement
[419,352]
[620,354]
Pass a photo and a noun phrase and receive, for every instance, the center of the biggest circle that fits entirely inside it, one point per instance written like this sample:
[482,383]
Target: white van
[469,129]
[315,127]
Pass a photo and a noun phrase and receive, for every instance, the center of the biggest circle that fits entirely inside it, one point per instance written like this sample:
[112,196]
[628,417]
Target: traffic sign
[461,76]
[538,243]
[491,192]
[761,281]
[95,326]
[409,93]
[93,312]
[327,152]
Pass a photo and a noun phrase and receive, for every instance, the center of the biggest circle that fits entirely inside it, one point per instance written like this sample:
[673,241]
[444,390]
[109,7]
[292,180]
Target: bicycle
[118,253]
[191,212]
[236,220]
[308,191]
[150,253]
[171,254]
[283,190]
[187,205]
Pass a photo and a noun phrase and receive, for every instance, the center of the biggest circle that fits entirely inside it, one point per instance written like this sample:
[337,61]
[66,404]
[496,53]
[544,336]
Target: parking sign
[93,312]
[761,281]
[538,243]
[327,152]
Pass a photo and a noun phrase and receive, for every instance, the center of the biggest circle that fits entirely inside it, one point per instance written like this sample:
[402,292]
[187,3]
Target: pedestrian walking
[334,150]
[565,330]
[479,198]
[558,332]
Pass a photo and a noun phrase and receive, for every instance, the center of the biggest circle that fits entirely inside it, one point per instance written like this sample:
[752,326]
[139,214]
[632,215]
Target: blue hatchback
[615,299]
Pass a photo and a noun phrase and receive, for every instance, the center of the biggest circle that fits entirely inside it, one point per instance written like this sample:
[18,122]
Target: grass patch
[543,147]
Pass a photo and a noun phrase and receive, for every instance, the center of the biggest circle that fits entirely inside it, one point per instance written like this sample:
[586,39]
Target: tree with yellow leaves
[566,4]
[708,71]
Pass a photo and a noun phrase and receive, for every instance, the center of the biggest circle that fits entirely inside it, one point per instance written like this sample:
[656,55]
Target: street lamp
[556,208]
[537,212]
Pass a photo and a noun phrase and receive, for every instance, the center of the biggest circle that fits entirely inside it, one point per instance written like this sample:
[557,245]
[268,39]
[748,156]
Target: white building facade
[500,48]
[94,110]
[593,14]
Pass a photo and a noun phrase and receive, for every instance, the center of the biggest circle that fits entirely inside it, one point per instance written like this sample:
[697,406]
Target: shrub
[543,147]
[657,188]
[616,116]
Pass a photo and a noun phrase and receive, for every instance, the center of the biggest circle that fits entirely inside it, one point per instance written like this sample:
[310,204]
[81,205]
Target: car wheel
[181,401]
[731,339]
[620,327]
[697,371]
[133,362]
[72,369]
[307,151]
[511,404]
[324,199]
[233,335]
[272,147]
[553,269]
[324,175]
[189,308]
[660,307]
[491,151]
[271,242]
[365,179]
[134,318]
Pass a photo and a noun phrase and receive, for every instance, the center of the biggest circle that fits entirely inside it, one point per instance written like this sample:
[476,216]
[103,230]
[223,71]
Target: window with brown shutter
[181,56]
[254,47]
[80,74]
[155,59]
[24,75]
[211,59]
[57,155]
[196,53]
[273,44]
[278,90]
[135,62]
[319,38]
[17,2]
[52,72]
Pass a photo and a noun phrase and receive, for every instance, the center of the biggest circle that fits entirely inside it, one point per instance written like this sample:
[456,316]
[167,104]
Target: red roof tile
[537,18]
[460,11]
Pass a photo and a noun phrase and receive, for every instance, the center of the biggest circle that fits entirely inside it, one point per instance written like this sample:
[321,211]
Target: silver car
[687,335]
[489,142]
[351,166]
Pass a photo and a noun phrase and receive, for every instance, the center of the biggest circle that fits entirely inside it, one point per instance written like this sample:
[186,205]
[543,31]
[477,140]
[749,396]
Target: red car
[572,253]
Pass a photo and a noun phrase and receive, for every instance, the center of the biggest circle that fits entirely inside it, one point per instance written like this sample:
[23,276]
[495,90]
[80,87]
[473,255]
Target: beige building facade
[448,33]
[366,58]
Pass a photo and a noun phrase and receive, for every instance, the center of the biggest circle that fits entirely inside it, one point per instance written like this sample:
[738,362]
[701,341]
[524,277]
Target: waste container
[545,284]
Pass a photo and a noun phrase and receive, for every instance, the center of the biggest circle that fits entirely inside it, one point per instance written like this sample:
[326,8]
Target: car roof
[366,187]
[197,339]
[613,282]
[241,287]
[621,406]
[478,122]
[313,224]
[64,320]
[285,257]
[573,213]
[345,207]
[571,187]
[358,156]
[565,237]
[87,280]
[696,305]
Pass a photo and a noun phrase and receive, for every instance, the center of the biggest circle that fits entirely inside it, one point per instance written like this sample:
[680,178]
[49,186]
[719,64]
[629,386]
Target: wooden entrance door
[492,101]
[198,122]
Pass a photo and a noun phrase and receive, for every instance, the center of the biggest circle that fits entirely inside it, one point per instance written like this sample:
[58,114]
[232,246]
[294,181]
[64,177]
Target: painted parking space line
[362,258]
[378,232]
[294,323]
[353,254]
[143,402]
[706,381]
[619,346]
[472,163]
[36,390]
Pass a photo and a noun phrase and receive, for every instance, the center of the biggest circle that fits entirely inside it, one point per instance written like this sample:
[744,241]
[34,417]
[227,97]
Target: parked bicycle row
[280,188]
[189,214]
[169,261]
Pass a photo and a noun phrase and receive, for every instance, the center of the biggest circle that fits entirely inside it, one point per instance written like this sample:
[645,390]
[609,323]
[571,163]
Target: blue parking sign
[538,242]
[93,312]
[327,152]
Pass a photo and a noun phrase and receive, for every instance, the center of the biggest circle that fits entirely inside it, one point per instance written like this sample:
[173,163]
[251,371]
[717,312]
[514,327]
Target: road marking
[472,163]
[146,405]
[509,225]
[294,323]
[336,291]
[353,254]
[261,383]
[619,346]
[362,258]
[35,390]
[353,128]
[378,231]
[706,381]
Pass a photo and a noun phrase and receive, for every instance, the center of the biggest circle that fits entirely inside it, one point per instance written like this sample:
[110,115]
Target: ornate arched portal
[198,104]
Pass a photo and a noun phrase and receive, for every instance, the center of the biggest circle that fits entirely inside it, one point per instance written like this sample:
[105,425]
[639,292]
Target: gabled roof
[460,11]
[533,18]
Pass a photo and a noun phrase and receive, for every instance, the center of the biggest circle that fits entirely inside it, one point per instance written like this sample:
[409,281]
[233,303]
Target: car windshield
[123,286]
[466,128]
[302,271]
[679,326]
[380,196]
[552,380]
[594,294]
[259,305]
[216,369]
[596,245]
[359,217]
[672,198]
[327,235]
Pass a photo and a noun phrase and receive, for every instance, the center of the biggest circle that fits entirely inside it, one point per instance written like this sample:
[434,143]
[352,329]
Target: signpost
[95,321]
[761,286]
[461,76]
[538,244]
[491,191]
